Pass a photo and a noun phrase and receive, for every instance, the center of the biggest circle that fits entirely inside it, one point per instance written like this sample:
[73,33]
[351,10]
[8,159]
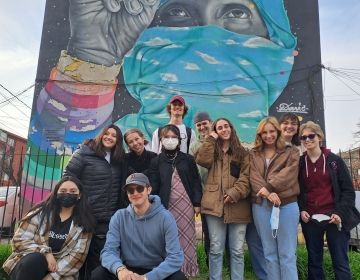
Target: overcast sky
[20,32]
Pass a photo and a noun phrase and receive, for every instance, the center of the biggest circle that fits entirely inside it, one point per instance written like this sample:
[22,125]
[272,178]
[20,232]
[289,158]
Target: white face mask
[274,220]
[170,144]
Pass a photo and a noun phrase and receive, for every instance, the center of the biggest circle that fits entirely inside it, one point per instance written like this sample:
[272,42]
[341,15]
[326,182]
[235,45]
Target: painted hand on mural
[116,23]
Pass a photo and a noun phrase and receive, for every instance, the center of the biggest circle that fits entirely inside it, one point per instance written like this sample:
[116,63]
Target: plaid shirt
[28,239]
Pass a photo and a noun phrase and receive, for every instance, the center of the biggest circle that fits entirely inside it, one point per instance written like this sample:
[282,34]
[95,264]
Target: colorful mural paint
[108,61]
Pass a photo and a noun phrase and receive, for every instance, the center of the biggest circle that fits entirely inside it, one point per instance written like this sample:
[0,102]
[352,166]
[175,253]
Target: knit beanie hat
[201,116]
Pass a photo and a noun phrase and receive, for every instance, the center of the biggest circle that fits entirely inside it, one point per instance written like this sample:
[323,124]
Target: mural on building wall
[108,61]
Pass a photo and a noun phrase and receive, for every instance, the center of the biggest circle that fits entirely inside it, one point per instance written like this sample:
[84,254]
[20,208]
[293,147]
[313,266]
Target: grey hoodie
[149,242]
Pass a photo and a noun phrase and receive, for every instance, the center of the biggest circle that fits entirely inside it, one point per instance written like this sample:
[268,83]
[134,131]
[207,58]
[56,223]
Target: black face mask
[67,199]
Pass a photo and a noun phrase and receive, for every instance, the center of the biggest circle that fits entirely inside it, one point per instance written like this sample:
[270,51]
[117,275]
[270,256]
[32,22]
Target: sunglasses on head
[310,137]
[137,188]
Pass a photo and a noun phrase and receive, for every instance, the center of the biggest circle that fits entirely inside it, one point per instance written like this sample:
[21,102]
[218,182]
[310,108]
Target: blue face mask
[213,68]
[274,220]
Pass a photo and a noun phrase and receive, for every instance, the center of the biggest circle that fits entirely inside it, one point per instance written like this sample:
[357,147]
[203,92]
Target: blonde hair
[259,143]
[313,127]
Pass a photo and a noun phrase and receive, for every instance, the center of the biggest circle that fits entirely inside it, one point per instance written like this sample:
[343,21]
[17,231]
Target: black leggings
[101,273]
[33,266]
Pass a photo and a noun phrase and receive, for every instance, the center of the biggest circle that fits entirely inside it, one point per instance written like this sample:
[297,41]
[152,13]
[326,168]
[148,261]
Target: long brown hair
[235,147]
[259,143]
[117,152]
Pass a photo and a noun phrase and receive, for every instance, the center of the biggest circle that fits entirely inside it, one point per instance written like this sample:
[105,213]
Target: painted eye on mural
[236,14]
[178,12]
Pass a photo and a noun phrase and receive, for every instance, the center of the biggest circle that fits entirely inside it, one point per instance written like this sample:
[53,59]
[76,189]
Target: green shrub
[354,259]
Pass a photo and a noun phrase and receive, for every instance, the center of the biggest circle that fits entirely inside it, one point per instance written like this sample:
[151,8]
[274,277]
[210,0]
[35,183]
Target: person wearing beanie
[177,110]
[202,122]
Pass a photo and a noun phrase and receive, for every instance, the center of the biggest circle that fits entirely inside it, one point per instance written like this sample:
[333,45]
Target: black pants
[93,258]
[33,266]
[102,273]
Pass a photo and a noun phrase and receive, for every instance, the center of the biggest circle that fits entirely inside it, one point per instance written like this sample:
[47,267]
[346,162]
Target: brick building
[352,160]
[12,153]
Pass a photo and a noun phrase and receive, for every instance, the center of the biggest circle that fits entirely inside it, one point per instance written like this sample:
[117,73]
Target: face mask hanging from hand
[274,220]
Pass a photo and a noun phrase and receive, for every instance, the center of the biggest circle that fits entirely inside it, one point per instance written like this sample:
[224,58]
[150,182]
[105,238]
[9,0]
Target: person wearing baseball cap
[139,238]
[177,110]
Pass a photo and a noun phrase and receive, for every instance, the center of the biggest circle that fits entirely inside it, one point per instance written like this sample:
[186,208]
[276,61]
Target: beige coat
[281,176]
[226,177]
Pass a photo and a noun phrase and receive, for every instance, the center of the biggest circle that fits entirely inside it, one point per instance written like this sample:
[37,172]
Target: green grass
[354,258]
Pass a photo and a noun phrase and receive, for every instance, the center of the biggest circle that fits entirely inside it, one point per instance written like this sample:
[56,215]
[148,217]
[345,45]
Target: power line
[15,96]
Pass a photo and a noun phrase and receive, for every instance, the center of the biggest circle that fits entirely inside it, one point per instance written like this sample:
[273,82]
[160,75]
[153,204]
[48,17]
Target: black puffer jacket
[102,183]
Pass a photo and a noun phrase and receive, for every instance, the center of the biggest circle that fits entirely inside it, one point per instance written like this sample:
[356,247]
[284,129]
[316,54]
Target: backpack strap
[188,133]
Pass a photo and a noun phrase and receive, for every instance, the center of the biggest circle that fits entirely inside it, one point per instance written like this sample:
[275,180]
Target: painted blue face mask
[274,220]
[216,70]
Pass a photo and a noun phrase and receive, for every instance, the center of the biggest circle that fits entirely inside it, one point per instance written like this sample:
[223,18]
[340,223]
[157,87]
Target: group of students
[141,222]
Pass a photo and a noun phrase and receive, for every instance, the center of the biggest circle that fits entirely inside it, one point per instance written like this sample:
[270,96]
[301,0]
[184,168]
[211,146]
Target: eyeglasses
[137,188]
[310,137]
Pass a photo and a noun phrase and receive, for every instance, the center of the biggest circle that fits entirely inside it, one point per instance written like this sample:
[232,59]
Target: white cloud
[225,100]
[157,41]
[244,62]
[169,77]
[57,105]
[155,62]
[289,59]
[208,58]
[173,46]
[235,90]
[83,129]
[191,66]
[154,95]
[231,42]
[257,42]
[253,114]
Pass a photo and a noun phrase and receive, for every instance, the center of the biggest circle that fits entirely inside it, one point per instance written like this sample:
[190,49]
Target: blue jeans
[279,252]
[217,233]
[338,242]
[256,251]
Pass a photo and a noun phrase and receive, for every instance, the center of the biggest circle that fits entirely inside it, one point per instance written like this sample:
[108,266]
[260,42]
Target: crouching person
[142,241]
[53,239]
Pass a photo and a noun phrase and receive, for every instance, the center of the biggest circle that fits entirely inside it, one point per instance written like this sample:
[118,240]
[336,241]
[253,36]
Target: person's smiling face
[109,139]
[289,128]
[239,16]
[269,135]
[223,129]
[310,139]
[135,143]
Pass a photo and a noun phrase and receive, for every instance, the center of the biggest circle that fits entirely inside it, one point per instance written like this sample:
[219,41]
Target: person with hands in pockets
[224,202]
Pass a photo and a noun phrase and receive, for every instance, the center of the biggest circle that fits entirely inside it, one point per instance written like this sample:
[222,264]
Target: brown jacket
[228,176]
[280,177]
